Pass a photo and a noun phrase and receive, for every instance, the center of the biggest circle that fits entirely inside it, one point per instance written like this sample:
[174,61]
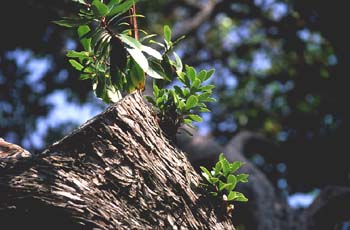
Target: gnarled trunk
[117,171]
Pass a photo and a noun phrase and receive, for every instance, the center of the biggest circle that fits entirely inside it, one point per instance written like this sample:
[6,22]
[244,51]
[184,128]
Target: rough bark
[117,171]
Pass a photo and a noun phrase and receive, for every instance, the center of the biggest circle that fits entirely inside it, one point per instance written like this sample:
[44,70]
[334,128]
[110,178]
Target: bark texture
[117,171]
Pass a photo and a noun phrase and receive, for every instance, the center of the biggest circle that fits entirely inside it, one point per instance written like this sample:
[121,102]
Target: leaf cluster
[115,61]
[222,180]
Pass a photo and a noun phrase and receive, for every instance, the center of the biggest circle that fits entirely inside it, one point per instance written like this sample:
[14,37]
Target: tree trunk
[117,171]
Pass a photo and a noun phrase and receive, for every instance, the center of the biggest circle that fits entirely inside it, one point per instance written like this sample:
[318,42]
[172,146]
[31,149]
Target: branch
[117,171]
[190,25]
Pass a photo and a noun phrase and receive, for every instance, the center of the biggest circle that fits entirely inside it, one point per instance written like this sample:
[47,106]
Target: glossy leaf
[76,64]
[167,33]
[191,102]
[195,117]
[72,22]
[242,178]
[99,8]
[118,8]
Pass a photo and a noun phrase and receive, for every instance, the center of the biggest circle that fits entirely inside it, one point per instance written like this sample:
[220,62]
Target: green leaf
[231,179]
[217,168]
[151,100]
[167,33]
[195,117]
[130,41]
[202,74]
[222,157]
[213,180]
[113,94]
[80,1]
[100,88]
[99,8]
[225,167]
[72,22]
[178,90]
[207,88]
[155,90]
[222,186]
[191,102]
[76,64]
[242,178]
[203,96]
[118,8]
[240,197]
[191,73]
[111,3]
[178,64]
[205,172]
[235,166]
[213,193]
[152,73]
[232,196]
[196,84]
[152,52]
[138,56]
[204,110]
[137,75]
[187,121]
[84,40]
[75,54]
[84,76]
[209,74]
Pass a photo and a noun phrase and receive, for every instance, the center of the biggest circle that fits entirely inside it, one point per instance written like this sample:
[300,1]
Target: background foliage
[281,71]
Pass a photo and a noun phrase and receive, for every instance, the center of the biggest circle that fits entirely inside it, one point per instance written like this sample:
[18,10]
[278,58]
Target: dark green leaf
[178,90]
[99,8]
[72,22]
[137,75]
[118,8]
